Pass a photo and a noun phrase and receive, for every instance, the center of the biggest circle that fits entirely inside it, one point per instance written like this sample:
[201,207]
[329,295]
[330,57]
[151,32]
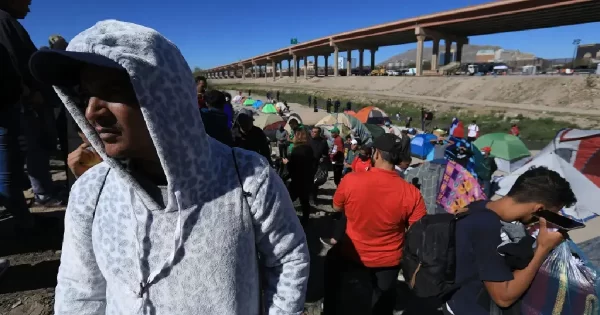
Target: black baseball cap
[387,142]
[63,68]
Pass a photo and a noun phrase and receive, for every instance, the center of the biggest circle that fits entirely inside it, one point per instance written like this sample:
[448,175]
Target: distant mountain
[468,54]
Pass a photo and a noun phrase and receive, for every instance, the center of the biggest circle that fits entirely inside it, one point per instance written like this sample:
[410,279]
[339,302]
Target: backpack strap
[245,194]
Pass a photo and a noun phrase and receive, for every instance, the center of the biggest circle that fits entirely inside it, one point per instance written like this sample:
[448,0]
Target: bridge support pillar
[273,69]
[305,66]
[349,63]
[295,69]
[373,51]
[420,44]
[316,65]
[326,65]
[459,47]
[289,70]
[435,61]
[243,72]
[361,55]
[336,51]
[281,69]
[448,52]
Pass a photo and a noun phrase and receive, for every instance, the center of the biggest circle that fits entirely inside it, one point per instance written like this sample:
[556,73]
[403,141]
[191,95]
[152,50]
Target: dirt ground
[570,98]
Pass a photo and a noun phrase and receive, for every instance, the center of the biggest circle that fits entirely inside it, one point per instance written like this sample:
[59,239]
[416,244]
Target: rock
[16,304]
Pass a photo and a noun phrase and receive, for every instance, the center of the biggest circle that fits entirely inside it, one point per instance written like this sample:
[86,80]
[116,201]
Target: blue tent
[257,104]
[421,146]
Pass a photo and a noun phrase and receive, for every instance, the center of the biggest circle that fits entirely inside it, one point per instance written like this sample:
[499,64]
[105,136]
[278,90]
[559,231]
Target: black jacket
[215,125]
[254,140]
[320,148]
[301,167]
[18,45]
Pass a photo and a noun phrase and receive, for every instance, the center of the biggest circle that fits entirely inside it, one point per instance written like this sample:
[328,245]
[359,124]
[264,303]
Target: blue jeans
[40,138]
[11,162]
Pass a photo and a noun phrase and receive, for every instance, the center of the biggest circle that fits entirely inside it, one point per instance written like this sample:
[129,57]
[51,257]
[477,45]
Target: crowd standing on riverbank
[180,206]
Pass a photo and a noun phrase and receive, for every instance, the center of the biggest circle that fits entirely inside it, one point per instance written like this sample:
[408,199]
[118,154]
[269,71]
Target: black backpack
[429,258]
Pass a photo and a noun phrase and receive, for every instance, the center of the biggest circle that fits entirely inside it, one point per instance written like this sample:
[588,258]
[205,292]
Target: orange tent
[372,115]
[350,112]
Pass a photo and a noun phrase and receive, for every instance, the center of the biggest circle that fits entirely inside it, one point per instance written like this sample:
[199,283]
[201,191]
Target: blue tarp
[474,161]
[421,146]
[257,104]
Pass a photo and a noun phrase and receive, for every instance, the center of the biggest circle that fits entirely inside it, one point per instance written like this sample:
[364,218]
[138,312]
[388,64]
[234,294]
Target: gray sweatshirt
[190,247]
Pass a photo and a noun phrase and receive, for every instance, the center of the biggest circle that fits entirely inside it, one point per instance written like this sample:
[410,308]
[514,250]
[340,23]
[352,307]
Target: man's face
[354,147]
[334,134]
[315,133]
[201,86]
[19,8]
[526,211]
[113,110]
[403,165]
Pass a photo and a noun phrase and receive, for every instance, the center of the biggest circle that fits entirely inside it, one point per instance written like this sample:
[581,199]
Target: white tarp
[586,192]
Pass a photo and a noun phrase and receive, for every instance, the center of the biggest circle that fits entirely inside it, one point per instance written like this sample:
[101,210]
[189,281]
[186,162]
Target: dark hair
[200,78]
[542,185]
[348,137]
[393,158]
[368,150]
[227,97]
[215,99]
[406,158]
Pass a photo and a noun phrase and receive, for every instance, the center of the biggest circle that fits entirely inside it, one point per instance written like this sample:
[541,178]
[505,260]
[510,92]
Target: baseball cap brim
[63,68]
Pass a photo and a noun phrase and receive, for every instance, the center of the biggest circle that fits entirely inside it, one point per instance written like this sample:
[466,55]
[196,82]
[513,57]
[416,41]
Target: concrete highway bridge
[453,26]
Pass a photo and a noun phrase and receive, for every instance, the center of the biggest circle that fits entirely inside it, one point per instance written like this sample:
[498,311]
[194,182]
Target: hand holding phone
[560,221]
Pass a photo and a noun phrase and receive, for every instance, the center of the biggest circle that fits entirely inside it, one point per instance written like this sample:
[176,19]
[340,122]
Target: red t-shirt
[337,150]
[359,165]
[379,206]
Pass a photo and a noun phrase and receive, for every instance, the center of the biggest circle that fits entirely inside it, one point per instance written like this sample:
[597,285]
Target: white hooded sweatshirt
[189,247]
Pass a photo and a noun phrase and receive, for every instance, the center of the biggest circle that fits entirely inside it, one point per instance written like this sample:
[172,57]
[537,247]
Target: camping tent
[257,104]
[504,146]
[581,148]
[509,151]
[586,192]
[269,109]
[269,122]
[350,112]
[358,129]
[421,146]
[372,115]
[248,102]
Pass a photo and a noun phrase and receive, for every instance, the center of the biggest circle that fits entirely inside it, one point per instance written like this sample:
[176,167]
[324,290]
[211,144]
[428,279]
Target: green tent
[504,146]
[249,102]
[269,109]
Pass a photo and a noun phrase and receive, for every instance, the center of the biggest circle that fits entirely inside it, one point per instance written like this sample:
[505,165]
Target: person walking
[379,207]
[301,167]
[486,171]
[282,141]
[337,155]
[336,106]
[473,132]
[309,100]
[348,106]
[328,105]
[169,208]
[321,154]
[277,96]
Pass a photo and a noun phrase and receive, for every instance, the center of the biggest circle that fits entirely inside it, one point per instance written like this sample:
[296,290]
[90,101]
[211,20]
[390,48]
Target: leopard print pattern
[117,235]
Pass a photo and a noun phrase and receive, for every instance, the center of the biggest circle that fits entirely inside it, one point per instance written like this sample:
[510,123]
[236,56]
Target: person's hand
[81,160]
[284,161]
[547,240]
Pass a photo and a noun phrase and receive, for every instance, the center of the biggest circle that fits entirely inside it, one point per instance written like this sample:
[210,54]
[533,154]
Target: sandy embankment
[557,95]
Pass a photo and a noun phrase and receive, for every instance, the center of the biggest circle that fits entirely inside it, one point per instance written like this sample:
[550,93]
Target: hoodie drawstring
[169,262]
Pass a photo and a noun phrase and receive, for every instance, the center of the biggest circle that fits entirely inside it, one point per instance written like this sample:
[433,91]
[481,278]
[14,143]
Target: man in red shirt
[337,155]
[379,207]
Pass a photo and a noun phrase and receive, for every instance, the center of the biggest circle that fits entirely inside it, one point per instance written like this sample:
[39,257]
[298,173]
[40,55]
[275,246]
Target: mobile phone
[559,221]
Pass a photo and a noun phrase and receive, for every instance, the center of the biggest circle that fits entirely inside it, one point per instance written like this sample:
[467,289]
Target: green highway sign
[293,41]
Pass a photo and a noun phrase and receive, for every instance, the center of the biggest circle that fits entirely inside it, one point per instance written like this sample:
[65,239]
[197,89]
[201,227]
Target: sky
[213,33]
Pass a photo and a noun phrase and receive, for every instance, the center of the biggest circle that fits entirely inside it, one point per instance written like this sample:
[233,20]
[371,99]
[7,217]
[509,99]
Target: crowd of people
[178,207]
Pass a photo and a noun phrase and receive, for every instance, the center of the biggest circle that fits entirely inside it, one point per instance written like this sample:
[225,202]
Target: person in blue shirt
[479,268]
